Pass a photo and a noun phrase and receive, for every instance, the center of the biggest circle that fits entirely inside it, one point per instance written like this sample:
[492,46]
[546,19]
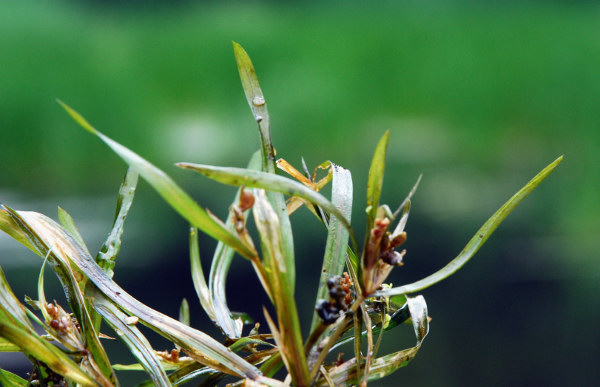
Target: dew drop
[258,101]
[131,320]
[259,118]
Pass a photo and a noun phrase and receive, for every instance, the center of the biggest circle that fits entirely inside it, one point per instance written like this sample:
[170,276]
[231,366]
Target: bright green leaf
[8,379]
[375,182]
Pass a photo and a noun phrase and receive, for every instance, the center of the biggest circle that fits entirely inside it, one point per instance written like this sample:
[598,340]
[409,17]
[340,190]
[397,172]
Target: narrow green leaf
[198,274]
[164,364]
[258,105]
[184,312]
[221,262]
[7,346]
[10,227]
[8,379]
[109,251]
[68,223]
[478,239]
[223,317]
[337,235]
[42,292]
[15,311]
[256,179]
[292,348]
[132,337]
[375,181]
[169,190]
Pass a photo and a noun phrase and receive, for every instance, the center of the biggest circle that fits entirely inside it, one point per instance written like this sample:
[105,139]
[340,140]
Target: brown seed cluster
[340,297]
[380,255]
[60,320]
[388,253]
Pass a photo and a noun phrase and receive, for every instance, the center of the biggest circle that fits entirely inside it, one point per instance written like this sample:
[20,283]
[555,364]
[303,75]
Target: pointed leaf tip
[77,117]
[375,179]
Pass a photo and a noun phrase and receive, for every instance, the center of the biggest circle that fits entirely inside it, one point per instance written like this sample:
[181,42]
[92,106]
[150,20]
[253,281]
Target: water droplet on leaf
[258,101]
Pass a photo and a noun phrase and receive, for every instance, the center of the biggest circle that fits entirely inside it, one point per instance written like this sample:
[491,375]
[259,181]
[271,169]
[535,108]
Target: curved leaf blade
[134,339]
[198,275]
[177,198]
[8,379]
[221,262]
[258,105]
[477,240]
[256,179]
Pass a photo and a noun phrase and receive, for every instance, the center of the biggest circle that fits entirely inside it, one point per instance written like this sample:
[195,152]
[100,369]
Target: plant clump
[353,305]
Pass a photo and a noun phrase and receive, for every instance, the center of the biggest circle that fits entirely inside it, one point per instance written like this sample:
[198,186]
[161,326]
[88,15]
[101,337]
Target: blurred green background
[478,96]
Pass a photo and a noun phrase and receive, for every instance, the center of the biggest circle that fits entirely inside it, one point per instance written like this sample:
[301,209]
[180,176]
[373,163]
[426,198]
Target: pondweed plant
[353,304]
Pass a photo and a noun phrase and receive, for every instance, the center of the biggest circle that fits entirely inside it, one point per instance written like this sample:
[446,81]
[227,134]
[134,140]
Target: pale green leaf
[49,238]
[110,249]
[14,310]
[291,345]
[7,346]
[337,235]
[184,312]
[258,105]
[221,262]
[198,275]
[134,339]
